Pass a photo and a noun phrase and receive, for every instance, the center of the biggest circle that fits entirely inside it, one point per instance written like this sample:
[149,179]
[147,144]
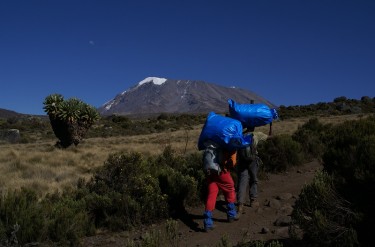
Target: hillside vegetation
[129,173]
[37,128]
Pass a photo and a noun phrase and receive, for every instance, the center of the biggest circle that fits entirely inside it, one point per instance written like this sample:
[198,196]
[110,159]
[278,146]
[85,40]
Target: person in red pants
[220,179]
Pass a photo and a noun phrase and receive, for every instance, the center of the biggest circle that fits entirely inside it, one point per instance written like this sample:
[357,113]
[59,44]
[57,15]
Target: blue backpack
[226,132]
[252,115]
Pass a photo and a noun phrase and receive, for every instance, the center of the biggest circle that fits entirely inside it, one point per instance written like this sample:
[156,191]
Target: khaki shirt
[245,154]
[259,137]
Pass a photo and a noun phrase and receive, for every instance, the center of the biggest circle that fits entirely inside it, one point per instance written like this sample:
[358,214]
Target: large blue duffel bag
[224,131]
[252,115]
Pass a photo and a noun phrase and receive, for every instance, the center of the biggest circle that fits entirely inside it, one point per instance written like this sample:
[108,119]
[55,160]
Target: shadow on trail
[221,206]
[188,219]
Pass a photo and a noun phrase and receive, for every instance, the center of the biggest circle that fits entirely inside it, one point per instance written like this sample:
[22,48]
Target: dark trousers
[247,181]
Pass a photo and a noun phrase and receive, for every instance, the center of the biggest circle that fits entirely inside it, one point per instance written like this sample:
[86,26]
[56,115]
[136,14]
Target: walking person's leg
[243,183]
[253,181]
[212,191]
[226,184]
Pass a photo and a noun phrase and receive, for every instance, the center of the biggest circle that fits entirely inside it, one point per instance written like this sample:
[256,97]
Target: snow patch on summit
[155,80]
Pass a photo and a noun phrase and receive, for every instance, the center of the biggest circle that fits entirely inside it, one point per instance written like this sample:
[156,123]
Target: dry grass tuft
[47,169]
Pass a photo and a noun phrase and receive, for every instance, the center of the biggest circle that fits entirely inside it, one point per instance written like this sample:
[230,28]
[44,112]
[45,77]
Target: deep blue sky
[290,52]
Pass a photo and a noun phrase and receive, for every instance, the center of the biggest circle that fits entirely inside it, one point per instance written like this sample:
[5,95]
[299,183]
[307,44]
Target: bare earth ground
[276,196]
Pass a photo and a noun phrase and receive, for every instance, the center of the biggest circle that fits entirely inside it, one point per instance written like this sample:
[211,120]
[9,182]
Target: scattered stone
[265,230]
[284,196]
[274,203]
[287,209]
[283,221]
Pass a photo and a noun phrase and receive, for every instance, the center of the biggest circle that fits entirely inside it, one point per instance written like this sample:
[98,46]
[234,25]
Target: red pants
[224,182]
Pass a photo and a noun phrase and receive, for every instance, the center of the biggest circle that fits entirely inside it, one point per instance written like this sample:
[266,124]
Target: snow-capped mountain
[161,95]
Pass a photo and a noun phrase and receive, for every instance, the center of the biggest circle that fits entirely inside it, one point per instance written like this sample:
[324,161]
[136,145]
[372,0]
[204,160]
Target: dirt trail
[276,196]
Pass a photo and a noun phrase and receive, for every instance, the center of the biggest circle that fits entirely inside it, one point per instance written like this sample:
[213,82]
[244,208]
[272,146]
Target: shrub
[351,151]
[337,209]
[25,219]
[180,176]
[194,170]
[123,193]
[309,136]
[350,160]
[67,219]
[280,153]
[181,189]
[20,208]
[324,215]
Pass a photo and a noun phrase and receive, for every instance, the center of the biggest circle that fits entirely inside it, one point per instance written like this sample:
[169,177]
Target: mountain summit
[159,95]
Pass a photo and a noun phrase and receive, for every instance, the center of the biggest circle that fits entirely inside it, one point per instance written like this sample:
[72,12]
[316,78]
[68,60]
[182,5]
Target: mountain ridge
[160,95]
[4,113]
[154,95]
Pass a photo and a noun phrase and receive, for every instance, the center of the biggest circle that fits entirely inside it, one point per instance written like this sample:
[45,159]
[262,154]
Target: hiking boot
[208,223]
[231,212]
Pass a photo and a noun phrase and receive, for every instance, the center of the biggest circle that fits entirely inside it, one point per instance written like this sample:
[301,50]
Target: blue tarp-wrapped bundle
[252,115]
[225,131]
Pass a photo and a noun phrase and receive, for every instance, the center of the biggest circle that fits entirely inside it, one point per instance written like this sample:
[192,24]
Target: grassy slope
[46,169]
